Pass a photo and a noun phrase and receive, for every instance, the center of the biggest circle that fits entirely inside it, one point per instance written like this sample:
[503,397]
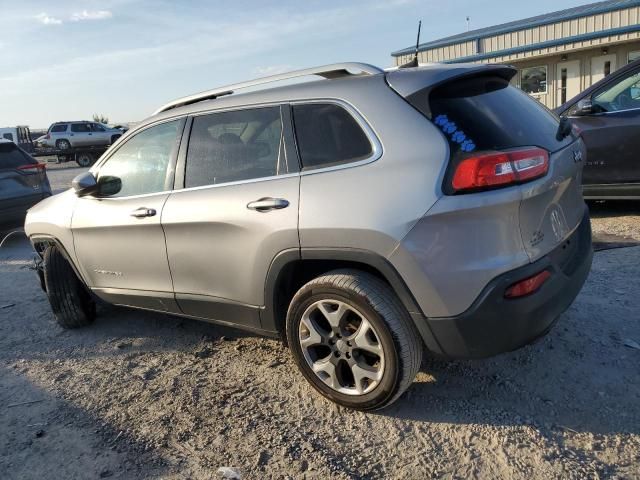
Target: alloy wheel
[341,347]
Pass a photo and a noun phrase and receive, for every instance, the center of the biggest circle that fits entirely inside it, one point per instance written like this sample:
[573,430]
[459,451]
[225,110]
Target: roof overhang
[548,44]
[519,25]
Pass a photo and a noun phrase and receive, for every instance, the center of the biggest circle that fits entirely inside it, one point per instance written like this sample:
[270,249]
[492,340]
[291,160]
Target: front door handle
[267,203]
[143,212]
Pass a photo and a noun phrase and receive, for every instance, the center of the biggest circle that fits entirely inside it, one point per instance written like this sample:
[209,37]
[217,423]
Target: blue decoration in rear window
[455,135]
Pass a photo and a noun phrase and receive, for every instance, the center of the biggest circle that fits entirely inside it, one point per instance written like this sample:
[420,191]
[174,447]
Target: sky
[70,59]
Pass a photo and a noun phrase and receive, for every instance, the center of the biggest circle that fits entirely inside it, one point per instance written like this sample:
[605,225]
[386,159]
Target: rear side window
[328,135]
[59,128]
[234,146]
[8,136]
[80,127]
[486,113]
[12,157]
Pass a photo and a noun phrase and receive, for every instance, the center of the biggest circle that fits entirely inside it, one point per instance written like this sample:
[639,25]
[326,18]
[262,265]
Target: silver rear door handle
[143,212]
[266,204]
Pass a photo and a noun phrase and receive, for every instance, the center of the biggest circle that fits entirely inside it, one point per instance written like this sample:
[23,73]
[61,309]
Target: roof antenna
[414,63]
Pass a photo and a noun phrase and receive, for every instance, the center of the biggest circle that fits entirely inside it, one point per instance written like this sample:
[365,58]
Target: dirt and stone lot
[144,395]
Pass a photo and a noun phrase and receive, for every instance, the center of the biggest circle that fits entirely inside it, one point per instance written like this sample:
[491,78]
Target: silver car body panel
[204,245]
[133,254]
[221,250]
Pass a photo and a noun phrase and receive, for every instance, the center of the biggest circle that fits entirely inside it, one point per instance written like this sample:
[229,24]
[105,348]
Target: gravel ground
[144,395]
[616,218]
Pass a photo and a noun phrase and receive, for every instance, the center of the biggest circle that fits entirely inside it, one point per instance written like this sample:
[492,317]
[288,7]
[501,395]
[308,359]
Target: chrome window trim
[236,109]
[237,182]
[111,151]
[599,114]
[376,145]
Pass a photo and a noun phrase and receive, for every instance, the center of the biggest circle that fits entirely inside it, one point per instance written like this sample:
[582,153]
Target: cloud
[90,15]
[45,19]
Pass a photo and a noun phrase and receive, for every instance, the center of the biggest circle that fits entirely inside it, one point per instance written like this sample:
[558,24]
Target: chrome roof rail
[335,70]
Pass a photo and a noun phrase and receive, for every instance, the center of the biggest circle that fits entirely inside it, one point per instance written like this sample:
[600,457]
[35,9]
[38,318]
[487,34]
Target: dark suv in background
[608,115]
[23,183]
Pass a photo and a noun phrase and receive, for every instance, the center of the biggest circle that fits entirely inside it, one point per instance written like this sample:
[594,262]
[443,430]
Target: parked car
[23,183]
[65,135]
[362,217]
[20,135]
[608,114]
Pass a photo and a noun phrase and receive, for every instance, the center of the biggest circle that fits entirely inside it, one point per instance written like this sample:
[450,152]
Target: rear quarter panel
[552,207]
[373,206]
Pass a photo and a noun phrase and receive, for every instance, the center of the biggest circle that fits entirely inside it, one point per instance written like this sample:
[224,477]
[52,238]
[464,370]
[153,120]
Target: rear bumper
[494,324]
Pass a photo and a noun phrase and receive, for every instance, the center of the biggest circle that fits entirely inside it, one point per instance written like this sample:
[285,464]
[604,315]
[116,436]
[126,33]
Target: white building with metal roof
[558,54]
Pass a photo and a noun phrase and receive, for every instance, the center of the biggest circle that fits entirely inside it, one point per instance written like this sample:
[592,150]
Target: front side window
[141,165]
[624,94]
[80,127]
[59,128]
[328,135]
[234,146]
[533,80]
[8,136]
[97,127]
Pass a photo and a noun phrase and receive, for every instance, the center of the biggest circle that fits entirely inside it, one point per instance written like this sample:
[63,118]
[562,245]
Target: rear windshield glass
[11,156]
[487,113]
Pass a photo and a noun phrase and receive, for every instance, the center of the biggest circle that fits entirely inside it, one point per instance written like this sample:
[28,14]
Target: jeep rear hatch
[500,137]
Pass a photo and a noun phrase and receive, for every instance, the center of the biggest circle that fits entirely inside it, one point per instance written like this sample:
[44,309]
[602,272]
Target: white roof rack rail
[335,70]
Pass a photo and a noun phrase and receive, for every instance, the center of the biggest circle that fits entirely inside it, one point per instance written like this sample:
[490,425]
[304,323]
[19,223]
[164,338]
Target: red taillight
[33,168]
[498,169]
[48,137]
[528,285]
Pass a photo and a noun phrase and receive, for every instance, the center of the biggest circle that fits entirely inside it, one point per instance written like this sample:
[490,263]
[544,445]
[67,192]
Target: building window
[563,86]
[633,56]
[533,80]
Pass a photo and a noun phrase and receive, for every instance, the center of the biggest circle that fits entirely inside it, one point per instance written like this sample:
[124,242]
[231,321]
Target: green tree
[100,118]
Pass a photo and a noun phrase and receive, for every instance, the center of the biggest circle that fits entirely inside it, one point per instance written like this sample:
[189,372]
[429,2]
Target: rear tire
[85,159]
[63,144]
[355,322]
[72,305]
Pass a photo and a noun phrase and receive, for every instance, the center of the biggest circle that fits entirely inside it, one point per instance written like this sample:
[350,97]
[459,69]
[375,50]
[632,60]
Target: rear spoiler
[409,81]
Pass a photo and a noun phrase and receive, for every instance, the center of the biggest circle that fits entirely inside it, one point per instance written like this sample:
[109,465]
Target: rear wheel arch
[291,269]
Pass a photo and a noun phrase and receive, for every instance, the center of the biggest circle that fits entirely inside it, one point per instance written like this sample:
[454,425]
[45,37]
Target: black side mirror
[108,186]
[85,184]
[583,107]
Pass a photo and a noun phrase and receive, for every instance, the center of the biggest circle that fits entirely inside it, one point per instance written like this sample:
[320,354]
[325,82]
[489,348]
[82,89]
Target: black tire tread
[71,304]
[383,300]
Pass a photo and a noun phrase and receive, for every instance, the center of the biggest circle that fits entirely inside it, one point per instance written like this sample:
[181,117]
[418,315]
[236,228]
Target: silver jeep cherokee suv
[364,217]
